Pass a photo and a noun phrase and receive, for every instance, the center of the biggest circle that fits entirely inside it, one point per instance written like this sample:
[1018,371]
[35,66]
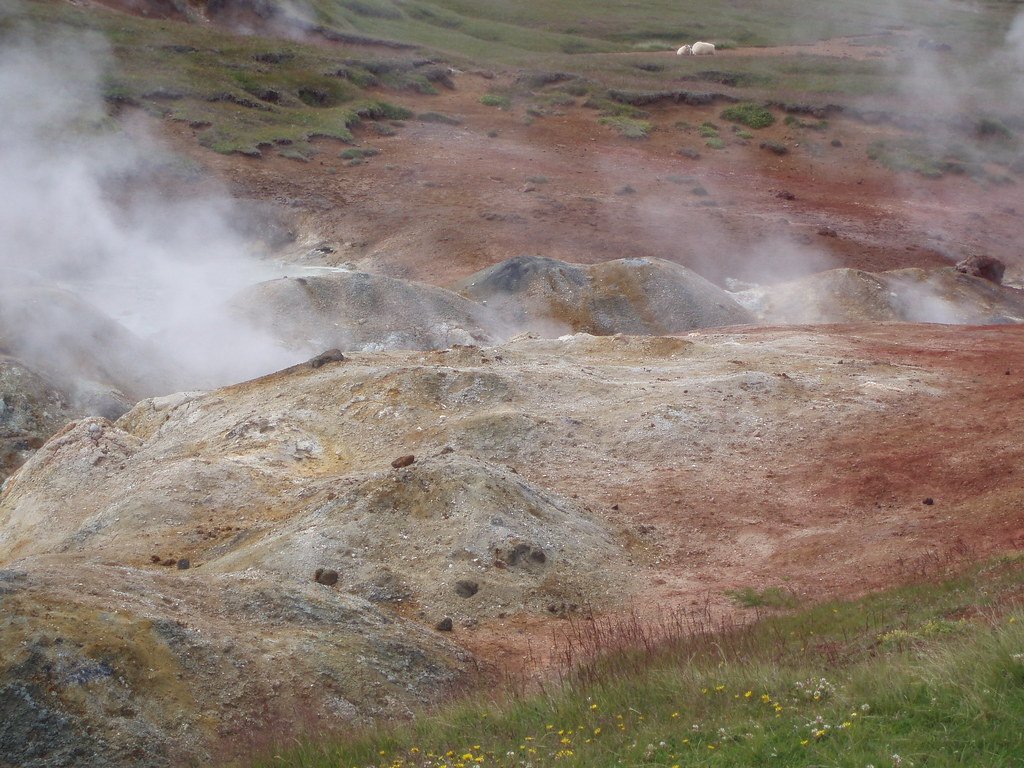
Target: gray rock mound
[357,310]
[628,296]
[906,295]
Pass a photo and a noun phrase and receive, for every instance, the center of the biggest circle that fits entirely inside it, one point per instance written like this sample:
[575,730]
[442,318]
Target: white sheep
[697,49]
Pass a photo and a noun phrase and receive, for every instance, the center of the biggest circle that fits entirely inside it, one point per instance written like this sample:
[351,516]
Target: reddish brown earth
[828,511]
[441,201]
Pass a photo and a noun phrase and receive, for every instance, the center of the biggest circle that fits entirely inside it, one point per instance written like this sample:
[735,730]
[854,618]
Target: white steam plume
[77,211]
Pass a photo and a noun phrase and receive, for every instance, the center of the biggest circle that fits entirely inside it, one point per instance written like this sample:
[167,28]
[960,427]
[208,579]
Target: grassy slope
[201,75]
[927,675]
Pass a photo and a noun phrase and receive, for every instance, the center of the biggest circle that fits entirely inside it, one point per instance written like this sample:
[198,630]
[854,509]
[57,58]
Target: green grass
[244,93]
[926,675]
[748,114]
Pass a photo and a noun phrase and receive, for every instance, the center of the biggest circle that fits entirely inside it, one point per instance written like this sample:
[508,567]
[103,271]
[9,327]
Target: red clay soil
[440,201]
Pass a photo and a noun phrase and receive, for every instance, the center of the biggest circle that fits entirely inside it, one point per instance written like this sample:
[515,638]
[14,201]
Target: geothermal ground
[573,374]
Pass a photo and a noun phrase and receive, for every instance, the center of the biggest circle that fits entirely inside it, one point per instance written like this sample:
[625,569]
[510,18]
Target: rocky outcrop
[357,310]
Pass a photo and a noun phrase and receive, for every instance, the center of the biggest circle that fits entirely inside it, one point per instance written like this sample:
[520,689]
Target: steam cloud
[81,218]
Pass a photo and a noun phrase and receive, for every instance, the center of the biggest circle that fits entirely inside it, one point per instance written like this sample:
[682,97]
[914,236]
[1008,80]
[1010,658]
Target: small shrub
[749,114]
[557,99]
[688,153]
[538,179]
[298,155]
[627,127]
[358,153]
[814,125]
[744,134]
[707,131]
[715,143]
[437,117]
[699,191]
[494,100]
[775,147]
[383,110]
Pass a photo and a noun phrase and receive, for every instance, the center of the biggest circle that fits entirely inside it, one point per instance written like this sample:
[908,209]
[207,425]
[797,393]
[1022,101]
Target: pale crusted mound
[629,296]
[356,310]
[551,477]
[449,535]
[906,295]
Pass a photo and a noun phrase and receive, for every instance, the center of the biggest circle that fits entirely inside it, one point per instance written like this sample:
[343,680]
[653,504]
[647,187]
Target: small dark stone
[326,576]
[929,501]
[169,562]
[783,194]
[330,356]
[444,625]
[155,558]
[446,450]
[615,506]
[466,588]
[836,143]
[538,556]
[403,461]
[184,564]
[828,232]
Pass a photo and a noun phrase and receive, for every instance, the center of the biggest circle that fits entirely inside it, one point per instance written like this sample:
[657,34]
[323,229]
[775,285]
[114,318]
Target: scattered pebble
[326,576]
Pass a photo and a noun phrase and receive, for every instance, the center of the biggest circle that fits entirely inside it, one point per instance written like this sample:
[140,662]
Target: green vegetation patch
[359,153]
[496,100]
[628,127]
[749,114]
[920,157]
